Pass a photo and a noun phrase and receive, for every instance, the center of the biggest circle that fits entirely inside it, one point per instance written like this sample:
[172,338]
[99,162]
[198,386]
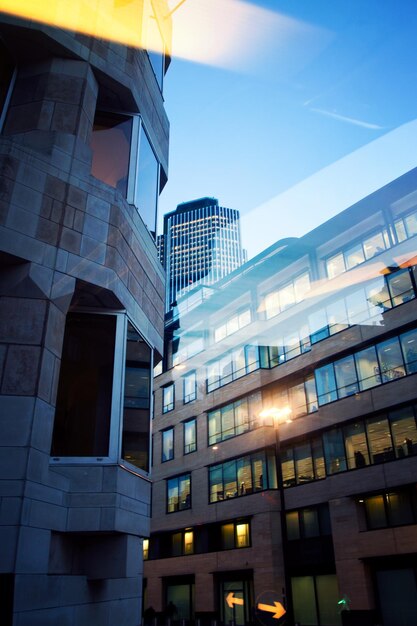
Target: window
[179,592]
[406,226]
[7,72]
[190,436]
[409,348]
[395,508]
[124,159]
[98,350]
[168,398]
[240,585]
[136,407]
[190,387]
[110,143]
[231,366]
[242,476]
[376,365]
[308,522]
[145,549]
[234,419]
[379,295]
[357,253]
[232,325]
[378,439]
[182,543]
[315,600]
[404,431]
[235,535]
[285,297]
[179,493]
[167,445]
[356,445]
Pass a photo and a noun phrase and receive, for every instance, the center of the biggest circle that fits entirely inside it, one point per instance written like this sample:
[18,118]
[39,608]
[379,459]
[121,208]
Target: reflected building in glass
[201,244]
[285,434]
[83,156]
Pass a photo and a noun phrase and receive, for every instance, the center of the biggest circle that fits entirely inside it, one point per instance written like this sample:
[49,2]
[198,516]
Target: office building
[201,244]
[83,153]
[285,437]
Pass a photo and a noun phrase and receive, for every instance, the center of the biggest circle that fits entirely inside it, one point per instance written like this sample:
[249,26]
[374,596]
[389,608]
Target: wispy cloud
[348,120]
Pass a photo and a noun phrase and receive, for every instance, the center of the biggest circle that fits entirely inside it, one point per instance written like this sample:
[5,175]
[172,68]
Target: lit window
[188,542]
[145,549]
[242,535]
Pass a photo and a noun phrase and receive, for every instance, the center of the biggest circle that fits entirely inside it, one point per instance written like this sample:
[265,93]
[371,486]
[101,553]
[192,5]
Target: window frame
[138,128]
[191,420]
[171,404]
[117,400]
[187,398]
[178,478]
[164,432]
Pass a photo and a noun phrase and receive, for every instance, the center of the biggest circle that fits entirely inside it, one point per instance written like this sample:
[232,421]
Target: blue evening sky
[312,109]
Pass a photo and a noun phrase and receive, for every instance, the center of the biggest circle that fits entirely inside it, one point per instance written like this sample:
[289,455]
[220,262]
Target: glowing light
[277,414]
[127,21]
[276,608]
[231,34]
[231,600]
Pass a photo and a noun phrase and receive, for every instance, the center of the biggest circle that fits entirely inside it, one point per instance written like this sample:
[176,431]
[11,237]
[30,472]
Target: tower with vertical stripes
[202,244]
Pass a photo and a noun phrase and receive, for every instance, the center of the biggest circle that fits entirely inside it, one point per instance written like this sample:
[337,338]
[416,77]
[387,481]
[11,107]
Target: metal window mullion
[116,419]
[132,180]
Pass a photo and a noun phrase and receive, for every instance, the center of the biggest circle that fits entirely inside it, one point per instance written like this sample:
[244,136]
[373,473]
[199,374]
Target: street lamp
[280,416]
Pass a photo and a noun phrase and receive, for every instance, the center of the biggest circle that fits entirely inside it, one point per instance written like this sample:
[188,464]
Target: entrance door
[398,596]
[235,601]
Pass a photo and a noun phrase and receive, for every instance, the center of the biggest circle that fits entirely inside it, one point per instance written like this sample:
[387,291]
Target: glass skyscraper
[201,244]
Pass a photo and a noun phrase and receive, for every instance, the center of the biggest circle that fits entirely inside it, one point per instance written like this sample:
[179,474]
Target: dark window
[179,597]
[89,408]
[308,522]
[315,600]
[7,68]
[83,408]
[394,508]
[136,409]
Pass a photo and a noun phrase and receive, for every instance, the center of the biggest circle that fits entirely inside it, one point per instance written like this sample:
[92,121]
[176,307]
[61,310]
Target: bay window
[123,158]
[103,401]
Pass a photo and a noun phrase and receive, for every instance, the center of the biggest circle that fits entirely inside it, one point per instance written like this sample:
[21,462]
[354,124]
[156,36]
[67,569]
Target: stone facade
[71,534]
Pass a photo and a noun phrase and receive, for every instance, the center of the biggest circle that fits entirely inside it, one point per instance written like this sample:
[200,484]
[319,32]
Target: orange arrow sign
[231,600]
[278,609]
